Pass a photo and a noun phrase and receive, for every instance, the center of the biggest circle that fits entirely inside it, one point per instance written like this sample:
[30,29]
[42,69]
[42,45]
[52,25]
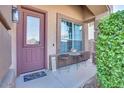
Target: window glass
[71,37]
[77,38]
[66,36]
[91,30]
[33,30]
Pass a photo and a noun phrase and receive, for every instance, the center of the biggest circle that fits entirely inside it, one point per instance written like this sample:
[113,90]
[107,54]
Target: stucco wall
[71,11]
[75,12]
[5,51]
[6,11]
[5,41]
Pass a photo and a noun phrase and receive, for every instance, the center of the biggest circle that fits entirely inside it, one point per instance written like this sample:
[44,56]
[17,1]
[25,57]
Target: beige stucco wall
[5,41]
[8,38]
[6,11]
[71,11]
[5,51]
[7,71]
[75,12]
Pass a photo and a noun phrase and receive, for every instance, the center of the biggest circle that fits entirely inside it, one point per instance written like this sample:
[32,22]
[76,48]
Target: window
[33,30]
[71,36]
[90,30]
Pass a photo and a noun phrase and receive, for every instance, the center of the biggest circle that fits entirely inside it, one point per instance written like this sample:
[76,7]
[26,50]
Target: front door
[30,41]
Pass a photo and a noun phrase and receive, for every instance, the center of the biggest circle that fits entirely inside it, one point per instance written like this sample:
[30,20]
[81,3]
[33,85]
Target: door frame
[27,7]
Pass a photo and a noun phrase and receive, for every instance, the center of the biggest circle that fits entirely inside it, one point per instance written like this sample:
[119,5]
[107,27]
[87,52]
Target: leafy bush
[110,51]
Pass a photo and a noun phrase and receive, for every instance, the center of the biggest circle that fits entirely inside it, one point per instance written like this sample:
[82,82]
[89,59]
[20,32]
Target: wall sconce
[15,14]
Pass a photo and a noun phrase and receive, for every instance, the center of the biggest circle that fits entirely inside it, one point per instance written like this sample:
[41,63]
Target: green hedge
[110,51]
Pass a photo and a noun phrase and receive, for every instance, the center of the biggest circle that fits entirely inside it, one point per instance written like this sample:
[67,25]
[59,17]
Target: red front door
[30,41]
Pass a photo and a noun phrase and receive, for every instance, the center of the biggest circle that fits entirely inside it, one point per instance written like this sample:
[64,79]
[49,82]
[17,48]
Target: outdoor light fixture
[15,14]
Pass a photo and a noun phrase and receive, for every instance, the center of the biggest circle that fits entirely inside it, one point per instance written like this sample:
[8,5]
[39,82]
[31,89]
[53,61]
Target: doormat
[34,76]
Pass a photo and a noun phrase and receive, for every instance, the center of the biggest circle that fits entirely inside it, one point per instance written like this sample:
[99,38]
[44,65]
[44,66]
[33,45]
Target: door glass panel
[33,30]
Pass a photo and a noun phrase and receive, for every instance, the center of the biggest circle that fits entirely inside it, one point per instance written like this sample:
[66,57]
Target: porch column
[86,45]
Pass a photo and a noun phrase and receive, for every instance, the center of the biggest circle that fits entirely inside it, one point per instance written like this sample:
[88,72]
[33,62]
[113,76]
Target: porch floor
[72,76]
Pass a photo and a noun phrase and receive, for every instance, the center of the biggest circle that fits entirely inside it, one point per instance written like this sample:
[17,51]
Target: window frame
[61,17]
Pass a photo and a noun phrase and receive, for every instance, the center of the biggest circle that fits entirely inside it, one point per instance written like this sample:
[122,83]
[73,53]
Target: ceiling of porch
[91,11]
[97,9]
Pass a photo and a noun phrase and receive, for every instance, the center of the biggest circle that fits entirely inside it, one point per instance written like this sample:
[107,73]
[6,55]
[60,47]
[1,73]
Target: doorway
[30,40]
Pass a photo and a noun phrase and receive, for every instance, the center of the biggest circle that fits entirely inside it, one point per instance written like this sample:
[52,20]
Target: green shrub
[110,51]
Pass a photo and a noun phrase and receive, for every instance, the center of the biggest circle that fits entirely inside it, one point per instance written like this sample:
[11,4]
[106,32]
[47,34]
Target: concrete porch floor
[72,76]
